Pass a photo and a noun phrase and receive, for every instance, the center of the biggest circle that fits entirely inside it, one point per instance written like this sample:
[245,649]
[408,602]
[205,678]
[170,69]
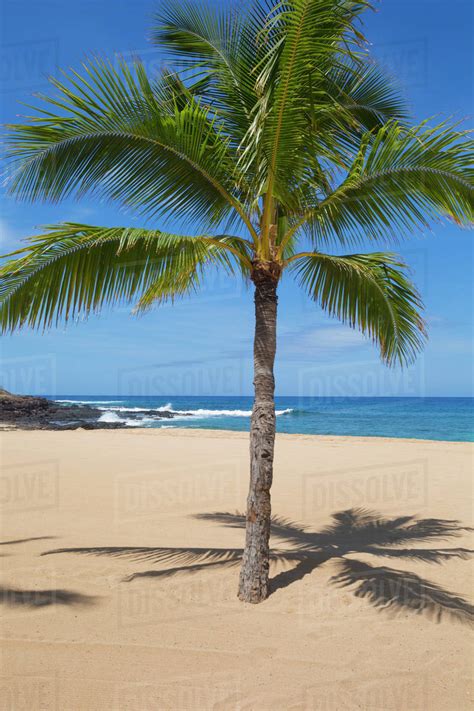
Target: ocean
[435,418]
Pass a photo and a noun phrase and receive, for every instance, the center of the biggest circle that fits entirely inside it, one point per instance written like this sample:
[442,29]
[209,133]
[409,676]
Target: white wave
[201,413]
[168,406]
[110,413]
[108,407]
[90,402]
[110,417]
[226,413]
[215,413]
[123,408]
[113,417]
[113,408]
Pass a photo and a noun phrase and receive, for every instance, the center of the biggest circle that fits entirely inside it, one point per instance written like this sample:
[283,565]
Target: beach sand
[107,629]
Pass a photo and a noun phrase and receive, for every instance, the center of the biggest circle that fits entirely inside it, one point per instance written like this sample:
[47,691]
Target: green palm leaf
[346,101]
[399,181]
[366,93]
[315,36]
[75,269]
[109,134]
[221,47]
[369,292]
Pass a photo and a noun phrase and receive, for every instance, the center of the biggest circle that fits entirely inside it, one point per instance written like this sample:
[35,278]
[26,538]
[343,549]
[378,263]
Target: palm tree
[277,138]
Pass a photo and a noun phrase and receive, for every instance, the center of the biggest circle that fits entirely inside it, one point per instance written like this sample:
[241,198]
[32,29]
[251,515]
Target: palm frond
[315,35]
[400,180]
[347,101]
[369,292]
[219,45]
[75,269]
[366,93]
[109,133]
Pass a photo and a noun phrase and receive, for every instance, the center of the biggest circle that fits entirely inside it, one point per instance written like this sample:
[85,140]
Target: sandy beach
[126,622]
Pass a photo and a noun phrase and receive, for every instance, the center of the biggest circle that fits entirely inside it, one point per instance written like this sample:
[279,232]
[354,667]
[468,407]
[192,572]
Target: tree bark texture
[253,585]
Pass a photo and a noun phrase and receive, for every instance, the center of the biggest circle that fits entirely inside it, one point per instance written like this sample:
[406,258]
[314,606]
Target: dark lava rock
[33,413]
[27,412]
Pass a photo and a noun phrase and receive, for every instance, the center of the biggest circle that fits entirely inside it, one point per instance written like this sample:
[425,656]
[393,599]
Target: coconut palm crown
[281,146]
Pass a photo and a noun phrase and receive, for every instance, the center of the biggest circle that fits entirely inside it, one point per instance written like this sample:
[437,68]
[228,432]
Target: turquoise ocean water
[432,418]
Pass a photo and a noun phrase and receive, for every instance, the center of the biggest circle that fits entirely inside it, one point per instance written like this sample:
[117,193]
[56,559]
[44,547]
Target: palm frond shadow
[25,540]
[42,598]
[354,531]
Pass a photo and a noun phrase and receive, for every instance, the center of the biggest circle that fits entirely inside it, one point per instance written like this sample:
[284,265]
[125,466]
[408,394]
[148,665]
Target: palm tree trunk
[253,586]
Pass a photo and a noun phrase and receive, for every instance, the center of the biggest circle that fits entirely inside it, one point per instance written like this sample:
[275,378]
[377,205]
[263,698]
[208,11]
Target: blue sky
[203,346]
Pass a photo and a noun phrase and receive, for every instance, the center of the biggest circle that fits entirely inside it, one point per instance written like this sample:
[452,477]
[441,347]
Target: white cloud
[327,339]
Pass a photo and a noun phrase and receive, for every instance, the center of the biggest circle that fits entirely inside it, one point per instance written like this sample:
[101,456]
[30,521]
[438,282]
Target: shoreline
[237,434]
[448,422]
[296,436]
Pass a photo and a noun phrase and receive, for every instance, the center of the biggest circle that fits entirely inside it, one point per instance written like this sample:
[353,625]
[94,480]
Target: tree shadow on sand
[351,532]
[42,598]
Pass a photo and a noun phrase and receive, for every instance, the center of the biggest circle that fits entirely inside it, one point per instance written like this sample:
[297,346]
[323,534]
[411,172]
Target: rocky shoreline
[33,413]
